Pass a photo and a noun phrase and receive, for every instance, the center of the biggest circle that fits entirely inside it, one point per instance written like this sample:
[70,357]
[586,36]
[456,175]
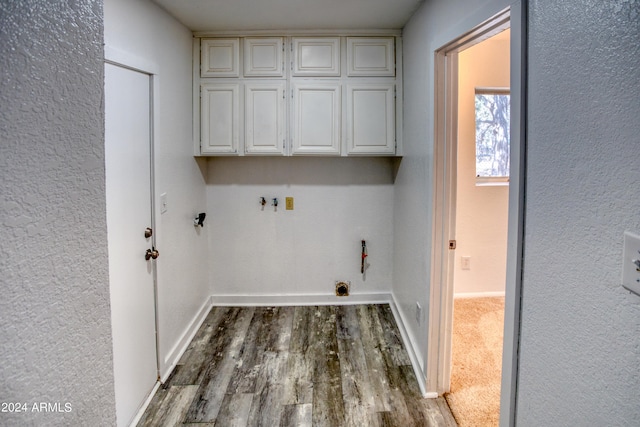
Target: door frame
[126,60]
[444,193]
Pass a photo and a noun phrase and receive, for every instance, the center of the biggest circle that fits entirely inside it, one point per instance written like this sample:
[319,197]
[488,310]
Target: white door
[131,276]
[220,118]
[316,57]
[263,57]
[371,118]
[316,118]
[368,56]
[264,118]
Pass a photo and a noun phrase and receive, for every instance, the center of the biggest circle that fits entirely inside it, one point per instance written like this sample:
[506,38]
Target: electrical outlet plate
[289,203]
[631,263]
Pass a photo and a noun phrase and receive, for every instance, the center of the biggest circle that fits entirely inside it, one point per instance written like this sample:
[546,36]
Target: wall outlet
[465,262]
[631,263]
[418,313]
[289,203]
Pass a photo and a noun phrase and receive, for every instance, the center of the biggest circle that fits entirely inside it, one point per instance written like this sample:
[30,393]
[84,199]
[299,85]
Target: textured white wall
[432,26]
[481,211]
[337,203]
[144,31]
[580,349]
[55,325]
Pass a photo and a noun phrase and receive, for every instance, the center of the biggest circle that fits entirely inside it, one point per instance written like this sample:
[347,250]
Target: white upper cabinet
[298,93]
[316,118]
[317,57]
[368,56]
[220,118]
[265,118]
[371,118]
[220,57]
[263,57]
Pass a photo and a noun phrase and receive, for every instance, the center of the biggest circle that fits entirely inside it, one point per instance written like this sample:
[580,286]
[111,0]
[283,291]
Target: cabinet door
[264,118]
[371,118]
[220,57]
[371,56]
[263,57]
[316,56]
[316,118]
[220,118]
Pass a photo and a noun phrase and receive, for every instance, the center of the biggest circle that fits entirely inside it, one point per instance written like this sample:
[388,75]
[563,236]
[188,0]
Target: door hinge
[452,244]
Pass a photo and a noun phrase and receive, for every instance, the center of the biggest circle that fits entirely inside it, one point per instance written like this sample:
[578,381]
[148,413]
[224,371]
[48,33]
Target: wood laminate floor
[296,366]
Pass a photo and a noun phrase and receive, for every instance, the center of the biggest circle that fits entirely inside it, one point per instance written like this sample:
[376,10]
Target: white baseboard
[140,413]
[413,356]
[478,295]
[172,358]
[298,300]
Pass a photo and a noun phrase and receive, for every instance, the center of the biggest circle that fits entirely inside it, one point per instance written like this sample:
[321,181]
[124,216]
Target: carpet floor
[474,398]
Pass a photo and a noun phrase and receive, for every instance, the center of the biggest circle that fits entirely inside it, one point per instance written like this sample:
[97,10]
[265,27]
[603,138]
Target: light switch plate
[163,203]
[631,263]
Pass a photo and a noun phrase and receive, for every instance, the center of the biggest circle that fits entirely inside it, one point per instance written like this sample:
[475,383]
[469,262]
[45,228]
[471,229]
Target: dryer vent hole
[342,289]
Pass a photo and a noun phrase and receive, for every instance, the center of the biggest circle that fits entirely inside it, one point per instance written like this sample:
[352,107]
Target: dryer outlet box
[342,288]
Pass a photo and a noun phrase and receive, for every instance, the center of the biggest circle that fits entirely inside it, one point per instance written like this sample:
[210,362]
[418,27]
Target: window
[492,136]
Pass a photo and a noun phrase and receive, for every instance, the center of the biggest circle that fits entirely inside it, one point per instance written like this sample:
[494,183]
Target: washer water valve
[263,203]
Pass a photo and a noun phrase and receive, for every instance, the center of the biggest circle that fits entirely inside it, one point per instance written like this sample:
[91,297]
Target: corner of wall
[55,321]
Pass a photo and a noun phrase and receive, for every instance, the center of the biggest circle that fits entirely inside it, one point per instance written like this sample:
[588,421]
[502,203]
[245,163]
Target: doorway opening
[445,255]
[480,215]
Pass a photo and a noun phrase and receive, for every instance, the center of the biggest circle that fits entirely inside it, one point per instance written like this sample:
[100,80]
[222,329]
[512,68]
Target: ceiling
[242,15]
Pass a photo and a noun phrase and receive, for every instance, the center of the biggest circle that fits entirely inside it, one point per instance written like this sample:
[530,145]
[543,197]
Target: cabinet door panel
[220,57]
[263,57]
[264,118]
[220,118]
[371,56]
[316,56]
[316,119]
[371,119]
